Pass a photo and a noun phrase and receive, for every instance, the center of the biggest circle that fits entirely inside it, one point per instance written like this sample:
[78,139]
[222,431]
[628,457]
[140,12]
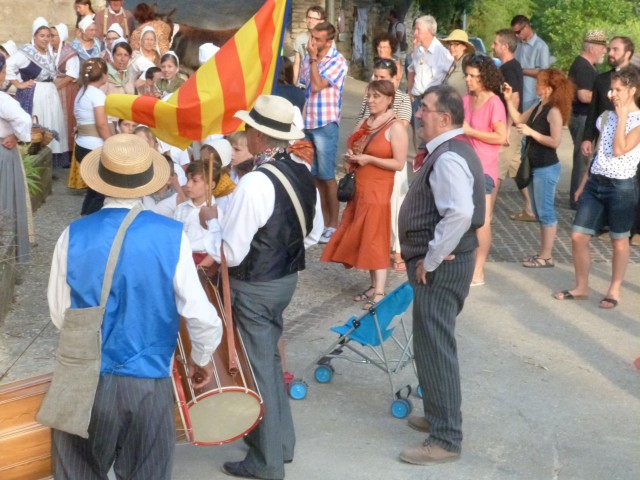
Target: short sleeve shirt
[483,119]
[84,109]
[512,73]
[531,54]
[300,44]
[583,74]
[624,166]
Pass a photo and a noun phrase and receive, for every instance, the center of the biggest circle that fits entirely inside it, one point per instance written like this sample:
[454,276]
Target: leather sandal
[373,301]
[363,296]
[538,262]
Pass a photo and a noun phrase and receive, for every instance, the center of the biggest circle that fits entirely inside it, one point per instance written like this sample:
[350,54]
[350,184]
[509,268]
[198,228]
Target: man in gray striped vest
[437,223]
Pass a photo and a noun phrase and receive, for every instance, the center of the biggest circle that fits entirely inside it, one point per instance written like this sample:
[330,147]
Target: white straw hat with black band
[125,167]
[273,116]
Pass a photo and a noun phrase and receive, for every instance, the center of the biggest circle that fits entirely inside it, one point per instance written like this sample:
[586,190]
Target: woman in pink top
[485,123]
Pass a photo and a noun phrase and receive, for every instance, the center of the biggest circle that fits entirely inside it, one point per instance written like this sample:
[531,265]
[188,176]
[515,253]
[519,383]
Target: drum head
[224,416]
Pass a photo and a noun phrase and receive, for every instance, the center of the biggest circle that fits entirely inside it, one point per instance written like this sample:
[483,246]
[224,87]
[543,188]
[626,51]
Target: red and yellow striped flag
[243,69]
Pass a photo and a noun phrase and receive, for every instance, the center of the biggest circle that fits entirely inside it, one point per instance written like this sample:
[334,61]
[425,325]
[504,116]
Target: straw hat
[272,116]
[461,36]
[125,167]
[599,37]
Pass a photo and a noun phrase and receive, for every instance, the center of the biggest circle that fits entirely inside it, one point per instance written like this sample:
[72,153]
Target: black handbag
[347,187]
[347,184]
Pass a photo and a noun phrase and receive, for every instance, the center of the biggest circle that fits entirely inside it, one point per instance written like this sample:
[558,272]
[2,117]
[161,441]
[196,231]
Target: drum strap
[292,195]
[226,297]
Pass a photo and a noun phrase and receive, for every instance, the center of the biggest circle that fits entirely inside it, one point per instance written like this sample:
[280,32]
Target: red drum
[230,405]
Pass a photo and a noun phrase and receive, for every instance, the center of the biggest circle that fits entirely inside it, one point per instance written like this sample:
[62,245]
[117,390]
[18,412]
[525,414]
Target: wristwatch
[312,60]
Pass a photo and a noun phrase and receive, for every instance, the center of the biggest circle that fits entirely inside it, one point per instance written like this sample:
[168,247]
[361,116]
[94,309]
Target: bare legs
[484,241]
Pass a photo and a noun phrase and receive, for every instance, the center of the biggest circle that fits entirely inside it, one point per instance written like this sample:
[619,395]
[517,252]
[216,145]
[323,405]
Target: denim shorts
[325,143]
[607,201]
[488,184]
[542,190]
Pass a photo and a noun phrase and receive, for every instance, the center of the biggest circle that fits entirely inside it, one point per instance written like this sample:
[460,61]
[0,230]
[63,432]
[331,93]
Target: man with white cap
[274,214]
[114,13]
[132,422]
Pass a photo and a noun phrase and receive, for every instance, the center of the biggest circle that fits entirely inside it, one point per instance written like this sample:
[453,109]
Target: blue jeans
[542,191]
[325,143]
[607,201]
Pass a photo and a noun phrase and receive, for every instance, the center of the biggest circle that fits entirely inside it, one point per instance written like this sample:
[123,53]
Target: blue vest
[140,325]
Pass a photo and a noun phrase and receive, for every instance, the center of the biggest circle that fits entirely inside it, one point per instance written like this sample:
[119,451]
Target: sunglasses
[383,63]
[519,31]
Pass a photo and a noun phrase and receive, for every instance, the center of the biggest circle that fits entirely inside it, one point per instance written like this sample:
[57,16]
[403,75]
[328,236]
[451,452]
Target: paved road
[549,387]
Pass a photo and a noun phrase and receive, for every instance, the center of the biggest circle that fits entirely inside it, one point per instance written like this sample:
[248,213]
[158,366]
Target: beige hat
[461,36]
[125,167]
[599,37]
[273,116]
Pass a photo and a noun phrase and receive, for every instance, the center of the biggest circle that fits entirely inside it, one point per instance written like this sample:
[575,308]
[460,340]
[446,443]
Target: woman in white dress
[32,70]
[15,124]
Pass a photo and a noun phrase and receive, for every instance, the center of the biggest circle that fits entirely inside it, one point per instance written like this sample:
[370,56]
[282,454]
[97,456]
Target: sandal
[373,300]
[363,296]
[538,262]
[523,217]
[567,295]
[608,303]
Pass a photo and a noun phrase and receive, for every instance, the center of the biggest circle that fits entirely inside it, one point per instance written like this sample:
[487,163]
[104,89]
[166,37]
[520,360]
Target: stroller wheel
[298,389]
[401,408]
[324,373]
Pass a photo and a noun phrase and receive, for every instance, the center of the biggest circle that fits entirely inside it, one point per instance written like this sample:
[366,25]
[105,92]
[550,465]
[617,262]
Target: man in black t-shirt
[583,73]
[504,47]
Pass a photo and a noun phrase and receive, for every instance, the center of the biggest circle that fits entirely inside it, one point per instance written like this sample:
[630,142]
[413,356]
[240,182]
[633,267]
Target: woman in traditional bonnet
[68,71]
[32,70]
[87,45]
[147,56]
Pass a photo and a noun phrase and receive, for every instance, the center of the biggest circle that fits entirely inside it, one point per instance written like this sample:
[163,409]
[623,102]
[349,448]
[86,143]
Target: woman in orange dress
[377,149]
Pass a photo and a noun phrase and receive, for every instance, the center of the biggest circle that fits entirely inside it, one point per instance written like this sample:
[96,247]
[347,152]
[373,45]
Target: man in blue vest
[273,216]
[132,425]
[437,223]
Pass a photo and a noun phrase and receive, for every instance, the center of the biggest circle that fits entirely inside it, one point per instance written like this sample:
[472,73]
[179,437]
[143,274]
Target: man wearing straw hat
[132,425]
[273,216]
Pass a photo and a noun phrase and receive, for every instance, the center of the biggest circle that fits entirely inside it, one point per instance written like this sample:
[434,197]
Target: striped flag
[243,69]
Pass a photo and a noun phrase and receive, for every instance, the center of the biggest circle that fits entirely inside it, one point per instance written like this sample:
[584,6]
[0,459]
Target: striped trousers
[132,428]
[435,308]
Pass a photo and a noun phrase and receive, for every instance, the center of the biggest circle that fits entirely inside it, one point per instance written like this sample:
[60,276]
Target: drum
[230,405]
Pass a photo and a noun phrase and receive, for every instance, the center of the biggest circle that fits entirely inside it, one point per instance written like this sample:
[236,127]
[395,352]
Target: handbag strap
[292,195]
[373,135]
[114,254]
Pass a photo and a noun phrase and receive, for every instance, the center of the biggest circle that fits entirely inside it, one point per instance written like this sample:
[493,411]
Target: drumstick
[210,180]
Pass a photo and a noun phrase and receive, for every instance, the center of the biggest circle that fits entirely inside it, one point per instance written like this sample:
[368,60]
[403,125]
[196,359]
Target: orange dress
[363,238]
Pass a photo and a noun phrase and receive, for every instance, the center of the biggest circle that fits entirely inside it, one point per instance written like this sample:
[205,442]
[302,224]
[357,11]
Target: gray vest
[418,215]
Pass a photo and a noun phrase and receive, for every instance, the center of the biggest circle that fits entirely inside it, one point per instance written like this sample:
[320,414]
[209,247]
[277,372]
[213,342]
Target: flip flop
[613,303]
[567,295]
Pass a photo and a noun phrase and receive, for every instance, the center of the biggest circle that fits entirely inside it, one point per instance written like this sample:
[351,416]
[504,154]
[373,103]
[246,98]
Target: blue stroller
[371,330]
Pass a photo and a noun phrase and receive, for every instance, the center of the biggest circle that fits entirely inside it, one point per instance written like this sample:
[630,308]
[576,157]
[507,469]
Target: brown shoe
[428,454]
[418,423]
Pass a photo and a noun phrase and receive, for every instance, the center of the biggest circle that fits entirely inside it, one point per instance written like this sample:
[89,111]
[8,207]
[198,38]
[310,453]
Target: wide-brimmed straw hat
[461,36]
[272,116]
[125,167]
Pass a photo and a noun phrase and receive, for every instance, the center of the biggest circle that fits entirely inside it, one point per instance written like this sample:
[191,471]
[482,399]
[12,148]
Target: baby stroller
[361,340]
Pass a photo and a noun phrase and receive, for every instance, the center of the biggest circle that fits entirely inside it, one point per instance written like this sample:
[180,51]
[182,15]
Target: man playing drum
[273,215]
[132,425]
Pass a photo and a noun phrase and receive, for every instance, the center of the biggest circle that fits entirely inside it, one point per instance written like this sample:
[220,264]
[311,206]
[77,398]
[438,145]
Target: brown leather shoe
[418,423]
[428,454]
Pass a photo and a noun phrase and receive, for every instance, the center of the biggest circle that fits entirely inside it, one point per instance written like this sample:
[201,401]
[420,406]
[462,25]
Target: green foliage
[448,14]
[561,23]
[32,173]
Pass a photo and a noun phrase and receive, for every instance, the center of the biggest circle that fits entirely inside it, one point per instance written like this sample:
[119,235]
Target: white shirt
[84,109]
[189,214]
[165,207]
[451,182]
[13,119]
[138,66]
[251,207]
[205,327]
[179,157]
[73,67]
[430,66]
[605,163]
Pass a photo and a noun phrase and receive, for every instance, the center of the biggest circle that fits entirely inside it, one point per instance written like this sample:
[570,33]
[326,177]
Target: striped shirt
[324,107]
[401,105]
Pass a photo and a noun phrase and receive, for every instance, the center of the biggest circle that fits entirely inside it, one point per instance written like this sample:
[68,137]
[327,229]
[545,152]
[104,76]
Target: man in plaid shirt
[323,73]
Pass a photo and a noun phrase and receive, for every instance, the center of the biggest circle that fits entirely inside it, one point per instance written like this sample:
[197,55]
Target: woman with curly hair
[485,124]
[385,44]
[542,127]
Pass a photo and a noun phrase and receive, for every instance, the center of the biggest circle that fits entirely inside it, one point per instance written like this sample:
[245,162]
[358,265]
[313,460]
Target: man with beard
[620,52]
[583,73]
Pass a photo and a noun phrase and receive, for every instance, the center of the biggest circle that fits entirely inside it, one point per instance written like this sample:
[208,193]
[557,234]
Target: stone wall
[16,17]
